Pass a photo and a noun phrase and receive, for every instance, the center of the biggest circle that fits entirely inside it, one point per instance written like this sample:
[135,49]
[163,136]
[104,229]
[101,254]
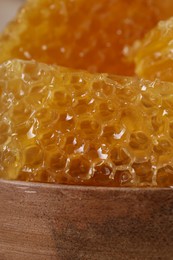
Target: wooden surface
[49,222]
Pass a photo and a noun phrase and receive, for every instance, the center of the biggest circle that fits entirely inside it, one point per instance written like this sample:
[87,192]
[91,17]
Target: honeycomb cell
[89,128]
[91,35]
[33,156]
[11,162]
[130,145]
[144,172]
[79,168]
[150,101]
[101,88]
[163,147]
[83,106]
[106,110]
[92,151]
[165,176]
[48,138]
[61,99]
[119,156]
[124,178]
[24,130]
[103,173]
[56,161]
[109,133]
[44,116]
[24,176]
[17,115]
[158,123]
[74,144]
[65,122]
[139,141]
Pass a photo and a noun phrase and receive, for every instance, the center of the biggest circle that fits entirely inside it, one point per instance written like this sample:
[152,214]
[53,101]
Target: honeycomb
[67,126]
[154,54]
[91,35]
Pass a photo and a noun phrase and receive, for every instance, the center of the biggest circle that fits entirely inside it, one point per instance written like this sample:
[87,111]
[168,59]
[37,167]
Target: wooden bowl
[50,222]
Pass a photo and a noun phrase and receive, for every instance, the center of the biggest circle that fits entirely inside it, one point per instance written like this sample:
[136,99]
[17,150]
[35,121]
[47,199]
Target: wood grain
[48,222]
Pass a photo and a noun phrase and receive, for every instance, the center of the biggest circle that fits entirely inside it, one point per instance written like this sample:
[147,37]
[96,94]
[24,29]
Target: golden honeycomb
[154,54]
[92,35]
[66,126]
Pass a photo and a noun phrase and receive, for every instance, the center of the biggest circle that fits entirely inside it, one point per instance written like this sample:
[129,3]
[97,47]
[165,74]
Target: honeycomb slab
[92,35]
[154,55]
[73,127]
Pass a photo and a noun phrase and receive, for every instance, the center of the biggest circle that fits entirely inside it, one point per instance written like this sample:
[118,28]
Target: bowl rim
[23,184]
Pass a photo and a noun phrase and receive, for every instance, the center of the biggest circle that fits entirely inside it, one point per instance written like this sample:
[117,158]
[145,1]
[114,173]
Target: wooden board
[48,222]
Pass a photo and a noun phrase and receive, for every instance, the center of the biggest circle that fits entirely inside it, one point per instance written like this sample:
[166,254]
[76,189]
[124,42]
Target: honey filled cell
[117,133]
[92,35]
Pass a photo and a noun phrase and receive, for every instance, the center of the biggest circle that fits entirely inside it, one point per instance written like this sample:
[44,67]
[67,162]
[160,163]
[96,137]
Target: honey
[92,35]
[72,127]
[154,54]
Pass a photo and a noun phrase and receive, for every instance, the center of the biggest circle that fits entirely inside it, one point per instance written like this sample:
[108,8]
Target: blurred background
[8,9]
